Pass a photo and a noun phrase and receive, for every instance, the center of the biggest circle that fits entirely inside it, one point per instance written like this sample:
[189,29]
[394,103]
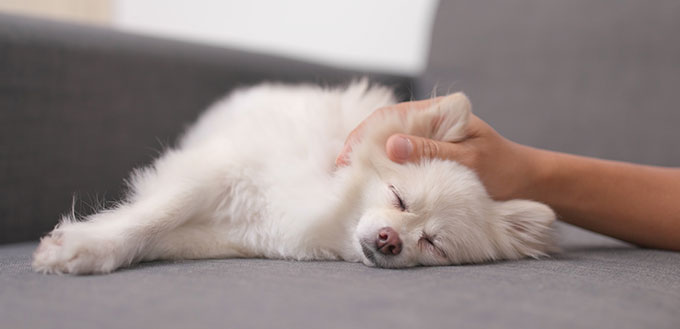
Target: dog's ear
[526,227]
[449,117]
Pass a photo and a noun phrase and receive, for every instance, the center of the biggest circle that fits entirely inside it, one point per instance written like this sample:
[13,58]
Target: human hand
[506,169]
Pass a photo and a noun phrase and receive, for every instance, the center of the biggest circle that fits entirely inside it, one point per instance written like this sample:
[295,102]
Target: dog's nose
[388,241]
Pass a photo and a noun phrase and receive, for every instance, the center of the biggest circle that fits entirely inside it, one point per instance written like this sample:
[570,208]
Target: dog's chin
[374,259]
[369,254]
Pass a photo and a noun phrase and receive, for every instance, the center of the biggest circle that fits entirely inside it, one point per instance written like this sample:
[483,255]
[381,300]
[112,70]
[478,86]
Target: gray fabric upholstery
[596,283]
[80,107]
[597,78]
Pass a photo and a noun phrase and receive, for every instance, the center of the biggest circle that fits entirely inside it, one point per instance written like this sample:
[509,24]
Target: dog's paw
[77,250]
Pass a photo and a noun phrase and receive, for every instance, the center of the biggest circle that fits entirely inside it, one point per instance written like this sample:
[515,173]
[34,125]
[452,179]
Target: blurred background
[389,36]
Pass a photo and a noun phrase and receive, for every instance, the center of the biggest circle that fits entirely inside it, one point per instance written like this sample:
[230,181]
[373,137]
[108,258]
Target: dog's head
[437,212]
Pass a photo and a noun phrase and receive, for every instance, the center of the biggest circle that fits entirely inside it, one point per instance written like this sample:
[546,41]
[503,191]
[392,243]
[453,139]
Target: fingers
[402,148]
[416,105]
[402,108]
[343,158]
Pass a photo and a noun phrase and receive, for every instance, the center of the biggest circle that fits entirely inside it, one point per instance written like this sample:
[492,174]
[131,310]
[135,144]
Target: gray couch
[80,107]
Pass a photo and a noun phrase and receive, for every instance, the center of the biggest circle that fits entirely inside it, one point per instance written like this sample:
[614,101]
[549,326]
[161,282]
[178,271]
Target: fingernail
[402,148]
[342,160]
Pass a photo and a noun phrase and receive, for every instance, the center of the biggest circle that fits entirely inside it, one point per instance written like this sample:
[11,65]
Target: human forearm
[635,203]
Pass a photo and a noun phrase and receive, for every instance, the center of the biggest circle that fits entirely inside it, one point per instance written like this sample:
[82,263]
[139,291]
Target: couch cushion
[596,282]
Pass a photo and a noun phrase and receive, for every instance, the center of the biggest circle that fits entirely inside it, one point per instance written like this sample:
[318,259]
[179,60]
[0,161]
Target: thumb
[402,148]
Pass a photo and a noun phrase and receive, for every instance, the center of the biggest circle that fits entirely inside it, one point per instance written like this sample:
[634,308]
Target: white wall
[96,12]
[383,35]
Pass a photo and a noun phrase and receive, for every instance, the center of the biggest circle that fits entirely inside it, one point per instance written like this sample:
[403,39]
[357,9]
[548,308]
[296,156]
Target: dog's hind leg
[196,242]
[180,188]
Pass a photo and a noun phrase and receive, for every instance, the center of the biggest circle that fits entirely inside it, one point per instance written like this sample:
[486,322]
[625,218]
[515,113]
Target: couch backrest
[598,78]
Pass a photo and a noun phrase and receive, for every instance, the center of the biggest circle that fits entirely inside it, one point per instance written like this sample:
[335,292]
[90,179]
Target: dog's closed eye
[398,201]
[427,242]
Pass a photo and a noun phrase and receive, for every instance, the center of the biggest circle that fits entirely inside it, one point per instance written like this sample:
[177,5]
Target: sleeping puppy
[255,177]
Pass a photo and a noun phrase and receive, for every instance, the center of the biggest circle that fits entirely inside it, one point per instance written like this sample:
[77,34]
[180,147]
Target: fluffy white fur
[255,177]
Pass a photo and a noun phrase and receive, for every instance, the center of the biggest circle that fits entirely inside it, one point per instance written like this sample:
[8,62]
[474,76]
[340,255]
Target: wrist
[540,166]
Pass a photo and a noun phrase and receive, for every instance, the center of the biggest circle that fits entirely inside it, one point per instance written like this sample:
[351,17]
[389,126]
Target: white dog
[255,177]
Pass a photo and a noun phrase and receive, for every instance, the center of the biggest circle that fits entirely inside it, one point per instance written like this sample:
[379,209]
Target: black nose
[388,242]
